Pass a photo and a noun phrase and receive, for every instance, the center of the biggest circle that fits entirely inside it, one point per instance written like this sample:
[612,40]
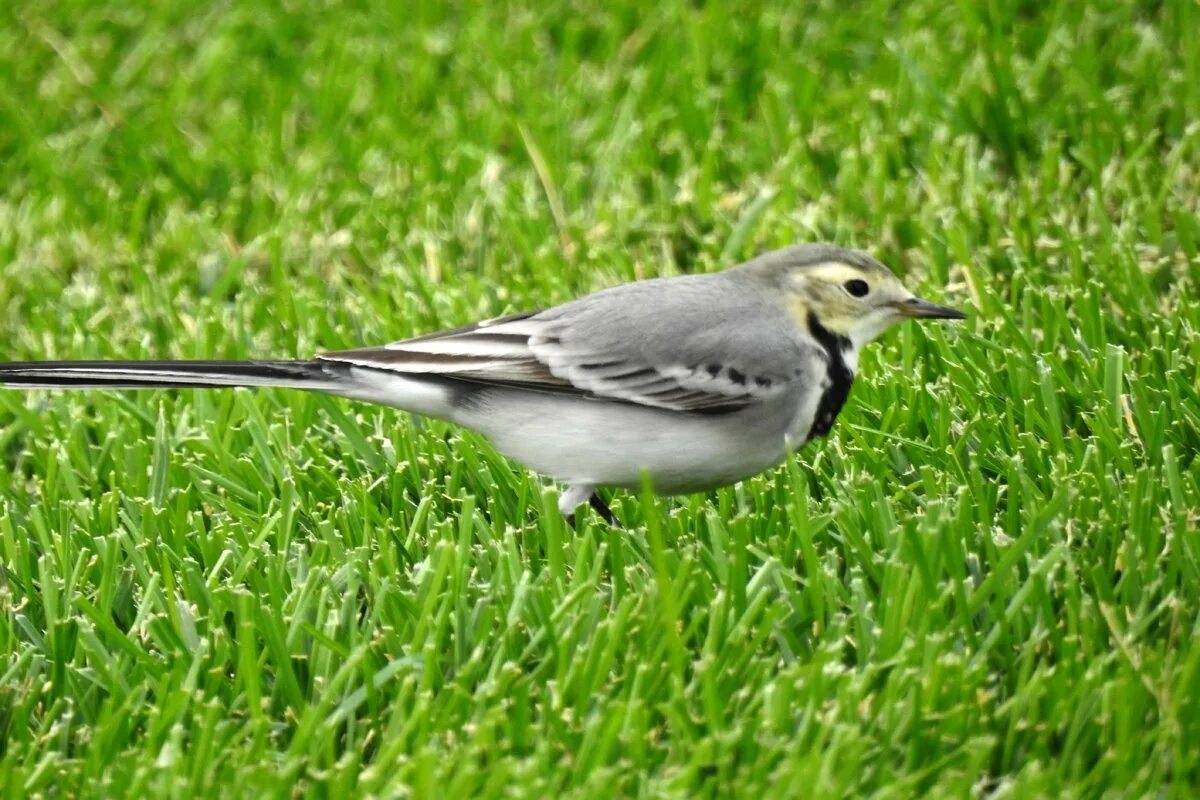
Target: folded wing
[690,346]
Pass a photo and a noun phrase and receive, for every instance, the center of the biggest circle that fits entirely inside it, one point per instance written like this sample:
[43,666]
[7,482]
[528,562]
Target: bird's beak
[923,309]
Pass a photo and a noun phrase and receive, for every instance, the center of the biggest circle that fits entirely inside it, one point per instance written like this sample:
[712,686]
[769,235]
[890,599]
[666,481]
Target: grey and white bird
[691,382]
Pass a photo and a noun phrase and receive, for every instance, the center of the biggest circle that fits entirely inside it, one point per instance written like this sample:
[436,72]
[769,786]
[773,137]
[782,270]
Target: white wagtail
[690,382]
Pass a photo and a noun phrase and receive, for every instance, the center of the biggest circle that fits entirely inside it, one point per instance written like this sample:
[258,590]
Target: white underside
[612,444]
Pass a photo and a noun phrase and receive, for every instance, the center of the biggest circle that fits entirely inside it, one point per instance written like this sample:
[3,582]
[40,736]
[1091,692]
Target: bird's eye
[857,287]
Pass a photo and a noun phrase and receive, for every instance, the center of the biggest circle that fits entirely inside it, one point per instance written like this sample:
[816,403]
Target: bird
[690,382]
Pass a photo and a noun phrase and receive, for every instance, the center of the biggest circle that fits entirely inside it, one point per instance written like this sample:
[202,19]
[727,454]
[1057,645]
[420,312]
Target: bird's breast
[834,391]
[820,403]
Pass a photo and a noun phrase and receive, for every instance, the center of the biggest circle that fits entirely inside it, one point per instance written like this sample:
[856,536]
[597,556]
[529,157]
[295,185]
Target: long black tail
[167,374]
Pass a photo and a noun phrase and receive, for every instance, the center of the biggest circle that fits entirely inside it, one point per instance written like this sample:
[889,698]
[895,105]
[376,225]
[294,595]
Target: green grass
[985,583]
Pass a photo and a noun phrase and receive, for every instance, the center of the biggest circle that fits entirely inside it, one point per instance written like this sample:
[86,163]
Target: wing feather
[605,346]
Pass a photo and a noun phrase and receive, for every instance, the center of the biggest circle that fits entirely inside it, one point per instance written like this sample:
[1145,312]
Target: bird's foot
[579,493]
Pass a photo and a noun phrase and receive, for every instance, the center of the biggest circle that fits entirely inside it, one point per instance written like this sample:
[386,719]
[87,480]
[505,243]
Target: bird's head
[848,293]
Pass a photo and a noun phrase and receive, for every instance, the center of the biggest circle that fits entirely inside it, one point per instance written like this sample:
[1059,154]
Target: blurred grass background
[984,583]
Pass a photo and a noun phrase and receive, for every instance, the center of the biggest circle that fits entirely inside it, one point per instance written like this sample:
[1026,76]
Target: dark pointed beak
[923,309]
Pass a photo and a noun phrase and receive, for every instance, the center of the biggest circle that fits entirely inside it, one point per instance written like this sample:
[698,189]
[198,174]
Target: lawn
[985,582]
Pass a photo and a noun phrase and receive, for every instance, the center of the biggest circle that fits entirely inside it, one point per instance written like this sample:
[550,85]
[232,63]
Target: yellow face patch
[837,273]
[821,290]
[797,309]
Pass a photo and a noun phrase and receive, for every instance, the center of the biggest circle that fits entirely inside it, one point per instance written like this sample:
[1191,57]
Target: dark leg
[601,508]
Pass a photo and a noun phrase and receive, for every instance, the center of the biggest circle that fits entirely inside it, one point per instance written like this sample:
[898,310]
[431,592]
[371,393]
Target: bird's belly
[616,444]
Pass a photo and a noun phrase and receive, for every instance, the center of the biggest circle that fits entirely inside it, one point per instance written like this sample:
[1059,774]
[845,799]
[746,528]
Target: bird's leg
[579,493]
[569,500]
[601,508]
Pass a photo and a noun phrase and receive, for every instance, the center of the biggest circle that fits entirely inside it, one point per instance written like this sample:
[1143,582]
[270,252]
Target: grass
[984,583]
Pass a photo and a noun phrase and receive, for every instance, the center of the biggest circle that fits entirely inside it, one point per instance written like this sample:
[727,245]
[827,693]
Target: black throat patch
[838,377]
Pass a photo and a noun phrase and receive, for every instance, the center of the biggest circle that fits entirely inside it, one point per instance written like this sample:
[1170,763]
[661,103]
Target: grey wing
[685,344]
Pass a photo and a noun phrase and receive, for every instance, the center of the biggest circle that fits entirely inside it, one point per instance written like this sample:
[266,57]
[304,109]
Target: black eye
[857,288]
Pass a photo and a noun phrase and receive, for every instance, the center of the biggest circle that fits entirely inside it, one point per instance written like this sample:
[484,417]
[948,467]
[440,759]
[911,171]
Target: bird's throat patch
[839,377]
